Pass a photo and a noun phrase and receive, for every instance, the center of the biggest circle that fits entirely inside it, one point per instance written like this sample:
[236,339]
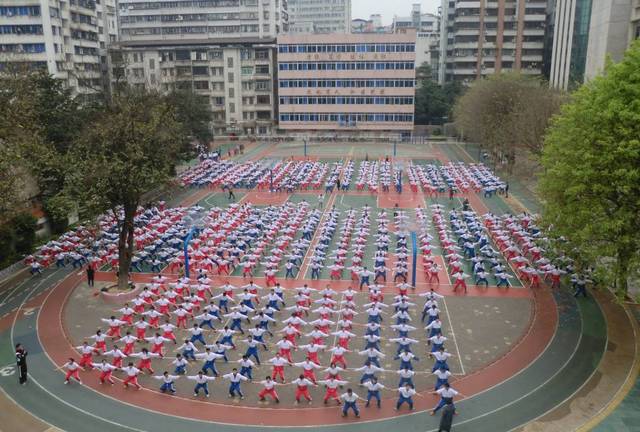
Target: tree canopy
[39,121]
[507,113]
[433,103]
[129,149]
[193,113]
[93,155]
[591,180]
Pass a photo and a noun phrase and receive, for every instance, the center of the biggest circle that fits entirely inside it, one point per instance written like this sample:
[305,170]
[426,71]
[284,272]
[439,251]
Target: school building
[345,83]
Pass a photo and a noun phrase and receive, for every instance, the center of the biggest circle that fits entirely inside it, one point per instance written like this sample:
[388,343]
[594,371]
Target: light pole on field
[194,223]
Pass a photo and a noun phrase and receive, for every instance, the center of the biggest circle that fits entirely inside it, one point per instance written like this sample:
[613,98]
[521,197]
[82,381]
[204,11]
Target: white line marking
[453,335]
[524,395]
[313,244]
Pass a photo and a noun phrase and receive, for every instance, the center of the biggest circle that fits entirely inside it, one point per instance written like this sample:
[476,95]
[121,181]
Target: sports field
[518,351]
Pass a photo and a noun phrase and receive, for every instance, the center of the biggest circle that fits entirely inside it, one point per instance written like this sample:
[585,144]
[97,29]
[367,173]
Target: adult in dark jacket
[447,418]
[21,363]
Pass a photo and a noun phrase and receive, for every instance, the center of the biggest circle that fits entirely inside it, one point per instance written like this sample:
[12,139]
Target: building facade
[614,24]
[197,20]
[224,50]
[67,38]
[427,27]
[234,77]
[347,83]
[479,38]
[566,42]
[634,28]
[319,16]
[372,25]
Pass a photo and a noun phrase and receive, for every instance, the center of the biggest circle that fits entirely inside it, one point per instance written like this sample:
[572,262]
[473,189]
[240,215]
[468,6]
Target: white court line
[9,295]
[15,319]
[335,337]
[453,335]
[313,243]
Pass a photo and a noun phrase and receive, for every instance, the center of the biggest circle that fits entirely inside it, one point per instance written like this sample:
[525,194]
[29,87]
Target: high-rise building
[224,50]
[614,24]
[67,38]
[483,37]
[319,16]
[427,28]
[566,42]
[347,83]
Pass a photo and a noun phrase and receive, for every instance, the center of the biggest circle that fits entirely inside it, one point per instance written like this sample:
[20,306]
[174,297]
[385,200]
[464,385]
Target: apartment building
[347,83]
[197,20]
[319,16]
[566,41]
[427,28]
[483,37]
[234,77]
[222,49]
[67,38]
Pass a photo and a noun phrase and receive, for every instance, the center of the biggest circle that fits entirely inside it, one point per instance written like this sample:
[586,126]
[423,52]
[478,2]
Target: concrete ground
[480,330]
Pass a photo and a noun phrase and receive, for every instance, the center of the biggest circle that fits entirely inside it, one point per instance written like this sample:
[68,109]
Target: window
[232,108]
[263,99]
[262,69]
[201,70]
[22,29]
[10,11]
[152,64]
[232,92]
[230,77]
[262,55]
[247,70]
[183,55]
[229,62]
[263,85]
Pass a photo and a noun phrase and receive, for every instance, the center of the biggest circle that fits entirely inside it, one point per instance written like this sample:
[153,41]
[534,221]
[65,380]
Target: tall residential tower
[67,38]
[483,37]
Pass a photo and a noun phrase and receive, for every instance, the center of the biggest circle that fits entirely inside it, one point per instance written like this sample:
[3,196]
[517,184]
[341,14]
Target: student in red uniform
[302,388]
[73,371]
[269,389]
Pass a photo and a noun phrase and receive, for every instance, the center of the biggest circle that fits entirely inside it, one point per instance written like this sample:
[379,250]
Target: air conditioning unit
[180,18]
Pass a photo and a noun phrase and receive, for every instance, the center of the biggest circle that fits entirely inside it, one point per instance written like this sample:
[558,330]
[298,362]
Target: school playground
[524,358]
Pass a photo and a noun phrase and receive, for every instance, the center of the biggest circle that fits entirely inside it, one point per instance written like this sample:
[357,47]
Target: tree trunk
[125,244]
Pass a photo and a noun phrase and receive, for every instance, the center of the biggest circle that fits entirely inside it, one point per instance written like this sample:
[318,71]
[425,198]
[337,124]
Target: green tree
[39,121]
[507,114]
[433,102]
[129,149]
[591,179]
[194,114]
[17,238]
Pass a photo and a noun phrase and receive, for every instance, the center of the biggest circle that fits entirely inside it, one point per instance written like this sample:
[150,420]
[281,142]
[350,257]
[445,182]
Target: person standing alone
[21,363]
[91,273]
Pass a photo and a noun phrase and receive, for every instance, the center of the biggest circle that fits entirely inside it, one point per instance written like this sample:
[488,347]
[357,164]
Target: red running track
[51,329]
